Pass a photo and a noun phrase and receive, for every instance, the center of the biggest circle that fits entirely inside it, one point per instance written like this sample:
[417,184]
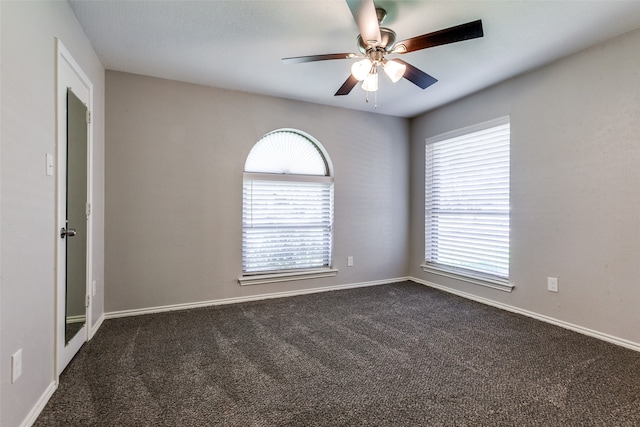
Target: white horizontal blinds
[287,214]
[286,225]
[467,201]
[286,152]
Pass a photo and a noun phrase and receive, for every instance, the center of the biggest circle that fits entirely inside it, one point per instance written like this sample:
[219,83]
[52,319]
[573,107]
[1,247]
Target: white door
[73,209]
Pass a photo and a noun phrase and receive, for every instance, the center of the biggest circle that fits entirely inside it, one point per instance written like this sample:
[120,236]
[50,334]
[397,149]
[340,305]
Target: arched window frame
[315,182]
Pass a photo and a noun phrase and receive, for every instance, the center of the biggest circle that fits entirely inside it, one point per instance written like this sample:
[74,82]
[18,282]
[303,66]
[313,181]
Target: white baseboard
[95,327]
[39,406]
[566,325]
[186,306]
[77,319]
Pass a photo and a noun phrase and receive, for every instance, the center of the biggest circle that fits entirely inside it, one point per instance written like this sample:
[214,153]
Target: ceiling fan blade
[364,13]
[313,58]
[346,87]
[470,30]
[417,76]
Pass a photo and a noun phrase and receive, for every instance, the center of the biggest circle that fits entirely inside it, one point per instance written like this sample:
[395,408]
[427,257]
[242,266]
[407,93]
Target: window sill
[260,279]
[487,281]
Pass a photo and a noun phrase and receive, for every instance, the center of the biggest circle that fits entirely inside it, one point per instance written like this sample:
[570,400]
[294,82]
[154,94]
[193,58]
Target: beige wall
[575,186]
[175,154]
[27,213]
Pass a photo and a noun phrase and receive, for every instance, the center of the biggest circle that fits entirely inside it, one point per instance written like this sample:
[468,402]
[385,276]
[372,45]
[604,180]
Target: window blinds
[467,201]
[286,152]
[286,224]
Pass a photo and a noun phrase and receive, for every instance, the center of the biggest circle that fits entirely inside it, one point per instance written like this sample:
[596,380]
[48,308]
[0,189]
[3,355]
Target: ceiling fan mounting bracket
[380,14]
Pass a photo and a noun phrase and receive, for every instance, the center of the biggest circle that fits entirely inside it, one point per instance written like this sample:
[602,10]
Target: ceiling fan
[374,42]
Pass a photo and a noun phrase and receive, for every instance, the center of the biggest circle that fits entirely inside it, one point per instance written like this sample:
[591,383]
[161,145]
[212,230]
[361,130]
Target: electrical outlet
[349,261]
[16,366]
[552,284]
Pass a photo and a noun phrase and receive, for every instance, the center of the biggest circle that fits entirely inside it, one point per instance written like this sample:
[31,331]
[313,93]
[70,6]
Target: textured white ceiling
[239,44]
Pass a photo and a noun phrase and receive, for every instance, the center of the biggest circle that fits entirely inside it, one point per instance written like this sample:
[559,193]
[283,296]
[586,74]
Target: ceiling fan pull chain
[375,98]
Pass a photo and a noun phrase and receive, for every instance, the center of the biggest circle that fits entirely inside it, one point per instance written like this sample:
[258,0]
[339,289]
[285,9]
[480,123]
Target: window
[467,204]
[287,209]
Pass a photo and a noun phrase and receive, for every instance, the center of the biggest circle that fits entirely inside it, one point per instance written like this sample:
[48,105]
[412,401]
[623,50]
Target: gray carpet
[393,355]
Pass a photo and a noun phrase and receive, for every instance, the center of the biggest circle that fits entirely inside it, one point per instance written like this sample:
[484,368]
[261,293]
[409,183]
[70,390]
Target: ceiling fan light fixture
[370,83]
[360,70]
[394,70]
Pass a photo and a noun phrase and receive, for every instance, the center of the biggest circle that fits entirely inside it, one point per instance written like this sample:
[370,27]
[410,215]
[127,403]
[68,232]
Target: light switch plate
[16,366]
[50,164]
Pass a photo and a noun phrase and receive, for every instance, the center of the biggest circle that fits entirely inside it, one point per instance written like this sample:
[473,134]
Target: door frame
[70,74]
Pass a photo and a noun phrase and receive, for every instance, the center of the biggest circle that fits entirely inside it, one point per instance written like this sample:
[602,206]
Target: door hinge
[88,116]
[88,300]
[88,209]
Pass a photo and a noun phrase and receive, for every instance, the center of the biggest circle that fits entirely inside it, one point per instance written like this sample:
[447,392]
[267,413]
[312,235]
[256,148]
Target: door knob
[70,232]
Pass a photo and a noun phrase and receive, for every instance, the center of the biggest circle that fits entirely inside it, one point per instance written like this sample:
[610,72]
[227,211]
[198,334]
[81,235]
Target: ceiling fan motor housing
[387,40]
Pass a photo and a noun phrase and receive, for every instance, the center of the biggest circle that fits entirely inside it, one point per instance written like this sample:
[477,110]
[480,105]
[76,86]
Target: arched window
[287,206]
